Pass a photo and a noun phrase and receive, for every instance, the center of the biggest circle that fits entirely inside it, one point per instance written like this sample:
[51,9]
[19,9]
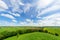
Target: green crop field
[29,33]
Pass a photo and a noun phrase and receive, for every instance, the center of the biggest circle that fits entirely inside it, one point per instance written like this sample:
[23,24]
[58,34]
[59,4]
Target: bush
[7,34]
[21,31]
[28,31]
[1,37]
[46,31]
[56,34]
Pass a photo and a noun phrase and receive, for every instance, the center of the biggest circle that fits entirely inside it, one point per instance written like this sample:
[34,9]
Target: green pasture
[29,33]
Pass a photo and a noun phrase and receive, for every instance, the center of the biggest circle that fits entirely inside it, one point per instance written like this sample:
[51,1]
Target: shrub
[46,31]
[1,37]
[28,31]
[21,31]
[7,34]
[56,34]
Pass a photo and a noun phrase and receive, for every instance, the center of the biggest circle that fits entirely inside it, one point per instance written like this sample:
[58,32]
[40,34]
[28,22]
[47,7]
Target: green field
[35,36]
[29,33]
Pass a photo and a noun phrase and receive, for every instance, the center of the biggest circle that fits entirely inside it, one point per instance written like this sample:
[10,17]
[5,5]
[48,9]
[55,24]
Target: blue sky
[30,13]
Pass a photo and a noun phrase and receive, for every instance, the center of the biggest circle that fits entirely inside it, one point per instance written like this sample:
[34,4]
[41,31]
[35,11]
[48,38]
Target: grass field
[53,30]
[35,36]
[29,33]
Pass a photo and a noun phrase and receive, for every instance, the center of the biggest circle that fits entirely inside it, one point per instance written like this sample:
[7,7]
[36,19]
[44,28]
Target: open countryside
[29,33]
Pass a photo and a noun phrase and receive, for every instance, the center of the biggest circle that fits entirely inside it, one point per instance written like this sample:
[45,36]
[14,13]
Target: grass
[35,36]
[53,30]
[12,38]
[50,35]
[13,31]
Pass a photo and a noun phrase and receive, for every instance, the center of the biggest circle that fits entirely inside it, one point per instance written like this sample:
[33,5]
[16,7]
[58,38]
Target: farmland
[29,33]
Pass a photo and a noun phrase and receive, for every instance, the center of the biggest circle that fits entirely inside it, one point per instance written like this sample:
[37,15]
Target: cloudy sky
[29,12]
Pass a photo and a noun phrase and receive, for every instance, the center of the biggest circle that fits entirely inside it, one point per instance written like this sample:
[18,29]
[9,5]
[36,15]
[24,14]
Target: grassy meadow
[29,33]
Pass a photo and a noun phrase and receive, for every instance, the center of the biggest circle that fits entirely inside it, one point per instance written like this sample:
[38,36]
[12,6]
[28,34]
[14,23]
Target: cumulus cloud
[8,16]
[57,15]
[52,20]
[3,5]
[15,14]
[52,6]
[14,20]
[27,7]
[27,22]
[50,9]
[23,23]
[15,4]
[40,7]
[6,23]
[43,3]
[20,2]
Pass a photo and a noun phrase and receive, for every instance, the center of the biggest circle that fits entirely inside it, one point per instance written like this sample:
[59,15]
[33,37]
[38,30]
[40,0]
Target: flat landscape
[29,33]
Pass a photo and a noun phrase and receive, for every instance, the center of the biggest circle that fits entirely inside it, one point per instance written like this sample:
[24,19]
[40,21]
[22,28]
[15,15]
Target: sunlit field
[29,33]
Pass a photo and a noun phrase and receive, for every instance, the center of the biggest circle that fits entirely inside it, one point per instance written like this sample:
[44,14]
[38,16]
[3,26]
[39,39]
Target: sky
[29,12]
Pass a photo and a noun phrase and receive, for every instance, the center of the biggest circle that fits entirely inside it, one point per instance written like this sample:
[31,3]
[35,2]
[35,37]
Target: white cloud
[52,20]
[3,5]
[6,23]
[27,7]
[16,5]
[43,3]
[15,14]
[8,16]
[28,20]
[53,16]
[23,24]
[38,16]
[20,2]
[52,8]
[2,9]
[14,20]
[54,5]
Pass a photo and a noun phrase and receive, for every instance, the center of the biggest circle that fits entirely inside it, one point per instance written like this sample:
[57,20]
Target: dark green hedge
[6,34]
